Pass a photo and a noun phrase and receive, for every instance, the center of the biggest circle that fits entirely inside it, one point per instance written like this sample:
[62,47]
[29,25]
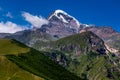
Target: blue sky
[98,12]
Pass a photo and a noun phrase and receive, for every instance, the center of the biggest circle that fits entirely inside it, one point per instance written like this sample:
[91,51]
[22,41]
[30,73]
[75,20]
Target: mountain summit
[64,17]
[62,24]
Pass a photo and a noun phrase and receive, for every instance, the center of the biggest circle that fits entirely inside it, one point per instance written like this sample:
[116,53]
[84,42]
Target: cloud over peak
[10,27]
[36,21]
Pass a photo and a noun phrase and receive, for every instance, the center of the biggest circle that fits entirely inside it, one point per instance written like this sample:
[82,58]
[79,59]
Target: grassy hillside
[30,60]
[10,71]
[94,67]
[8,46]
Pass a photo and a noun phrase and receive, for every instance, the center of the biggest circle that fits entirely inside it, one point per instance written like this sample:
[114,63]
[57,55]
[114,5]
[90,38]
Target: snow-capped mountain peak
[64,17]
[60,11]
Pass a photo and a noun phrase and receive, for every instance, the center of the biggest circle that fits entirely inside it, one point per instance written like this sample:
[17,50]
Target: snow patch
[65,21]
[111,49]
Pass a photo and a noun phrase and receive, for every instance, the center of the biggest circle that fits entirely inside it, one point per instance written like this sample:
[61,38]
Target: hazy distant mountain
[31,37]
[2,35]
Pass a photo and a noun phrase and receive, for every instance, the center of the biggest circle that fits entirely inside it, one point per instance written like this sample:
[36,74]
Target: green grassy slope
[10,71]
[94,67]
[32,61]
[8,46]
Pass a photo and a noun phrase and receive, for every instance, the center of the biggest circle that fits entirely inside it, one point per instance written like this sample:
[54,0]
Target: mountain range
[66,48]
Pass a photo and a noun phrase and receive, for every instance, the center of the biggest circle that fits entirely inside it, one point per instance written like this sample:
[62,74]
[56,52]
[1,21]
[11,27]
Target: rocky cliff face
[81,43]
[110,36]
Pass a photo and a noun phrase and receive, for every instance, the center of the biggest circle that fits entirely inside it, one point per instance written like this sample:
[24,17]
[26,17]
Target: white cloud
[9,15]
[10,27]
[36,21]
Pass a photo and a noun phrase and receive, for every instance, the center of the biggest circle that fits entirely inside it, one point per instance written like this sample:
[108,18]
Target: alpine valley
[63,49]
